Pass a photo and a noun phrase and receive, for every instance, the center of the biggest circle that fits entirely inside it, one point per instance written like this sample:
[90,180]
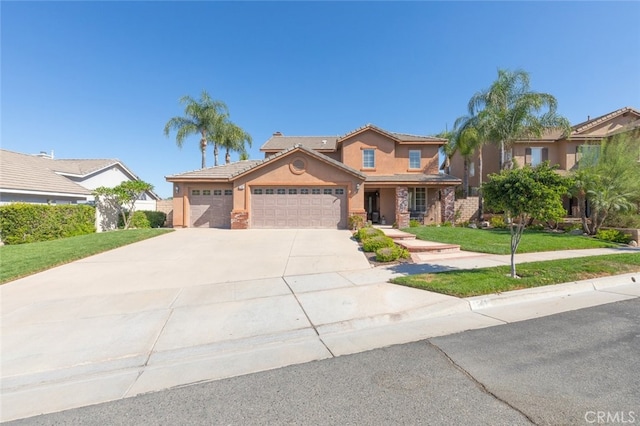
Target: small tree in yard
[123,197]
[525,194]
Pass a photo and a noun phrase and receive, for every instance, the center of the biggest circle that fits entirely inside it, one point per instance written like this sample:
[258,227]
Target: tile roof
[413,177]
[400,137]
[585,125]
[32,173]
[223,172]
[44,174]
[231,171]
[278,142]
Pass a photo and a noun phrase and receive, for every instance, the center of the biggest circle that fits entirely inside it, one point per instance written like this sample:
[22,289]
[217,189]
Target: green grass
[498,241]
[475,282]
[20,260]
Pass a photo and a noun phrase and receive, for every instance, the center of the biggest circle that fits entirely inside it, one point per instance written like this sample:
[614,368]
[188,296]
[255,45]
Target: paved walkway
[198,305]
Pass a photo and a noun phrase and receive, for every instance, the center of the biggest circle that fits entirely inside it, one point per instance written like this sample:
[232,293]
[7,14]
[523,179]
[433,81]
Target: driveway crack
[295,296]
[479,384]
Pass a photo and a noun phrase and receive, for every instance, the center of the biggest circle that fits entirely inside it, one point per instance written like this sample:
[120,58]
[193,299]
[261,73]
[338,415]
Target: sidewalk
[157,338]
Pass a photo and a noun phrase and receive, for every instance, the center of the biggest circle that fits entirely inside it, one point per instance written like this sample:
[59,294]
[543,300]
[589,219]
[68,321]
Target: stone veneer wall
[166,206]
[447,204]
[402,207]
[240,220]
[468,208]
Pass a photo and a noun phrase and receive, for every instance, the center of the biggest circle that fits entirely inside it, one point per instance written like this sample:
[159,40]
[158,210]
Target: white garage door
[298,207]
[210,208]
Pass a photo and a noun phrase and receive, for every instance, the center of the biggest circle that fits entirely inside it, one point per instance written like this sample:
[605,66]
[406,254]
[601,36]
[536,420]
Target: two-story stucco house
[318,182]
[560,150]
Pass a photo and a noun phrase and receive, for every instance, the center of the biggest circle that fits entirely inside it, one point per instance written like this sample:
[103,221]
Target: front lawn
[497,241]
[17,261]
[475,282]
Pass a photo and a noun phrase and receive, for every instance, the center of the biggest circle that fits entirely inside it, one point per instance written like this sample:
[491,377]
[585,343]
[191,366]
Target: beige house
[318,182]
[558,149]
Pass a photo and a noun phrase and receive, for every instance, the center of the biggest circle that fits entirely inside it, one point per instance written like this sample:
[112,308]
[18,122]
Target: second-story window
[368,158]
[414,159]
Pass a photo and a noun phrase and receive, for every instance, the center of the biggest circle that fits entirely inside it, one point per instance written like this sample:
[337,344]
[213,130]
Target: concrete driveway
[194,305]
[205,304]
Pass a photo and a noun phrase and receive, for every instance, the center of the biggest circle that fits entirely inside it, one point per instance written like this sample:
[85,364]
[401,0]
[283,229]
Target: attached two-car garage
[298,207]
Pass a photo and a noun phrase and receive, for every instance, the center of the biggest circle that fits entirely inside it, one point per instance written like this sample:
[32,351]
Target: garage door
[210,208]
[298,207]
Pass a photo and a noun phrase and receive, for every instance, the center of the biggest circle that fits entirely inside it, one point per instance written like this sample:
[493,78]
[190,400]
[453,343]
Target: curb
[555,290]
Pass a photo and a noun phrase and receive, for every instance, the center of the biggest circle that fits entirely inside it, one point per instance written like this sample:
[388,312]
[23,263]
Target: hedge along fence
[28,223]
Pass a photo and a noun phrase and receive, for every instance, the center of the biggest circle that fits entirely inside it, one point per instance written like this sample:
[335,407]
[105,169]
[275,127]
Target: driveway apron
[192,305]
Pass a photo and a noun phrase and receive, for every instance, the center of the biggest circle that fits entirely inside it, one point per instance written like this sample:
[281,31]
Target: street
[577,367]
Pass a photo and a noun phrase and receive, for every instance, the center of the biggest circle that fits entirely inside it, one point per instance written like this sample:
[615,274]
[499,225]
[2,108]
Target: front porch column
[448,204]
[402,207]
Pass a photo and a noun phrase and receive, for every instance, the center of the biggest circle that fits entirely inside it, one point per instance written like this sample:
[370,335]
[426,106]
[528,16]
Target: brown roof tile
[278,143]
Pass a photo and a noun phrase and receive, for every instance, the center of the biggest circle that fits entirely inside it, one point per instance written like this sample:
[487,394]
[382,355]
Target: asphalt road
[579,367]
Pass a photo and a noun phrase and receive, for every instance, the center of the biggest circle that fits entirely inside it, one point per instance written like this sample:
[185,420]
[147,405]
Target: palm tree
[448,149]
[202,117]
[511,111]
[233,138]
[471,135]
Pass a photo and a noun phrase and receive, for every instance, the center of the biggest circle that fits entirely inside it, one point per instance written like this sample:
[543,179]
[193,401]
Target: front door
[371,202]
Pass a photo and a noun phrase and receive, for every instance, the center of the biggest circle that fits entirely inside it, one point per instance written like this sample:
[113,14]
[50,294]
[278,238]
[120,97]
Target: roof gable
[232,171]
[395,136]
[607,124]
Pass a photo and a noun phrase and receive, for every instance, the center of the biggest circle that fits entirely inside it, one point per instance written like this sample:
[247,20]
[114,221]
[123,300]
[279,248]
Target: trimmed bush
[498,222]
[613,235]
[368,232]
[413,223]
[390,254]
[374,243]
[28,223]
[156,219]
[355,222]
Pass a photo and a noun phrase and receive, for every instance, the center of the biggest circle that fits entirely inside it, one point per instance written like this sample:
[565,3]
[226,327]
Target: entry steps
[409,241]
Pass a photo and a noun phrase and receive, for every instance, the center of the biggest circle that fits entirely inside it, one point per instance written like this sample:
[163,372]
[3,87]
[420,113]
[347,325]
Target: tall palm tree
[471,133]
[511,111]
[202,117]
[233,138]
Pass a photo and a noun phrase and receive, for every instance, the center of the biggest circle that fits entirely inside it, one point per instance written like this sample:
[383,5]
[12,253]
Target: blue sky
[101,79]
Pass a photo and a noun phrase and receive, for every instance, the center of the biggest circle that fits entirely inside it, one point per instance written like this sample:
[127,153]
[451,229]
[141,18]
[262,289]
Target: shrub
[498,222]
[28,223]
[355,222]
[613,235]
[374,243]
[389,254]
[368,232]
[413,223]
[536,227]
[156,219]
[623,220]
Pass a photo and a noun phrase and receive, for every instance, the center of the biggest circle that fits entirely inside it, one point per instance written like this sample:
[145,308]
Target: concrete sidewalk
[161,313]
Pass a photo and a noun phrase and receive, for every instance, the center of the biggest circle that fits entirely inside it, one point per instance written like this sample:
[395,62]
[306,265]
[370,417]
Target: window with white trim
[368,158]
[315,191]
[228,192]
[206,192]
[327,191]
[418,199]
[257,191]
[414,159]
[535,156]
[195,192]
[217,192]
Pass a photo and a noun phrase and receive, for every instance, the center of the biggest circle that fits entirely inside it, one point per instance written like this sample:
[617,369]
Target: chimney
[277,134]
[588,117]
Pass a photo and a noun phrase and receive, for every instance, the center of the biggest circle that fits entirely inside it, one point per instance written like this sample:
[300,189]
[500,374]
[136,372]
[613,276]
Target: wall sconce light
[357,187]
[177,188]
[241,187]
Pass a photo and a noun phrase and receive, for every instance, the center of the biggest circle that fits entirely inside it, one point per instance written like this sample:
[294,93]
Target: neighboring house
[41,179]
[559,150]
[318,182]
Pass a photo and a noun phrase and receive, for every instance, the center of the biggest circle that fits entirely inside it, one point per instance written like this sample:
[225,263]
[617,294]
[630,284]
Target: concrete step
[421,246]
[397,234]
